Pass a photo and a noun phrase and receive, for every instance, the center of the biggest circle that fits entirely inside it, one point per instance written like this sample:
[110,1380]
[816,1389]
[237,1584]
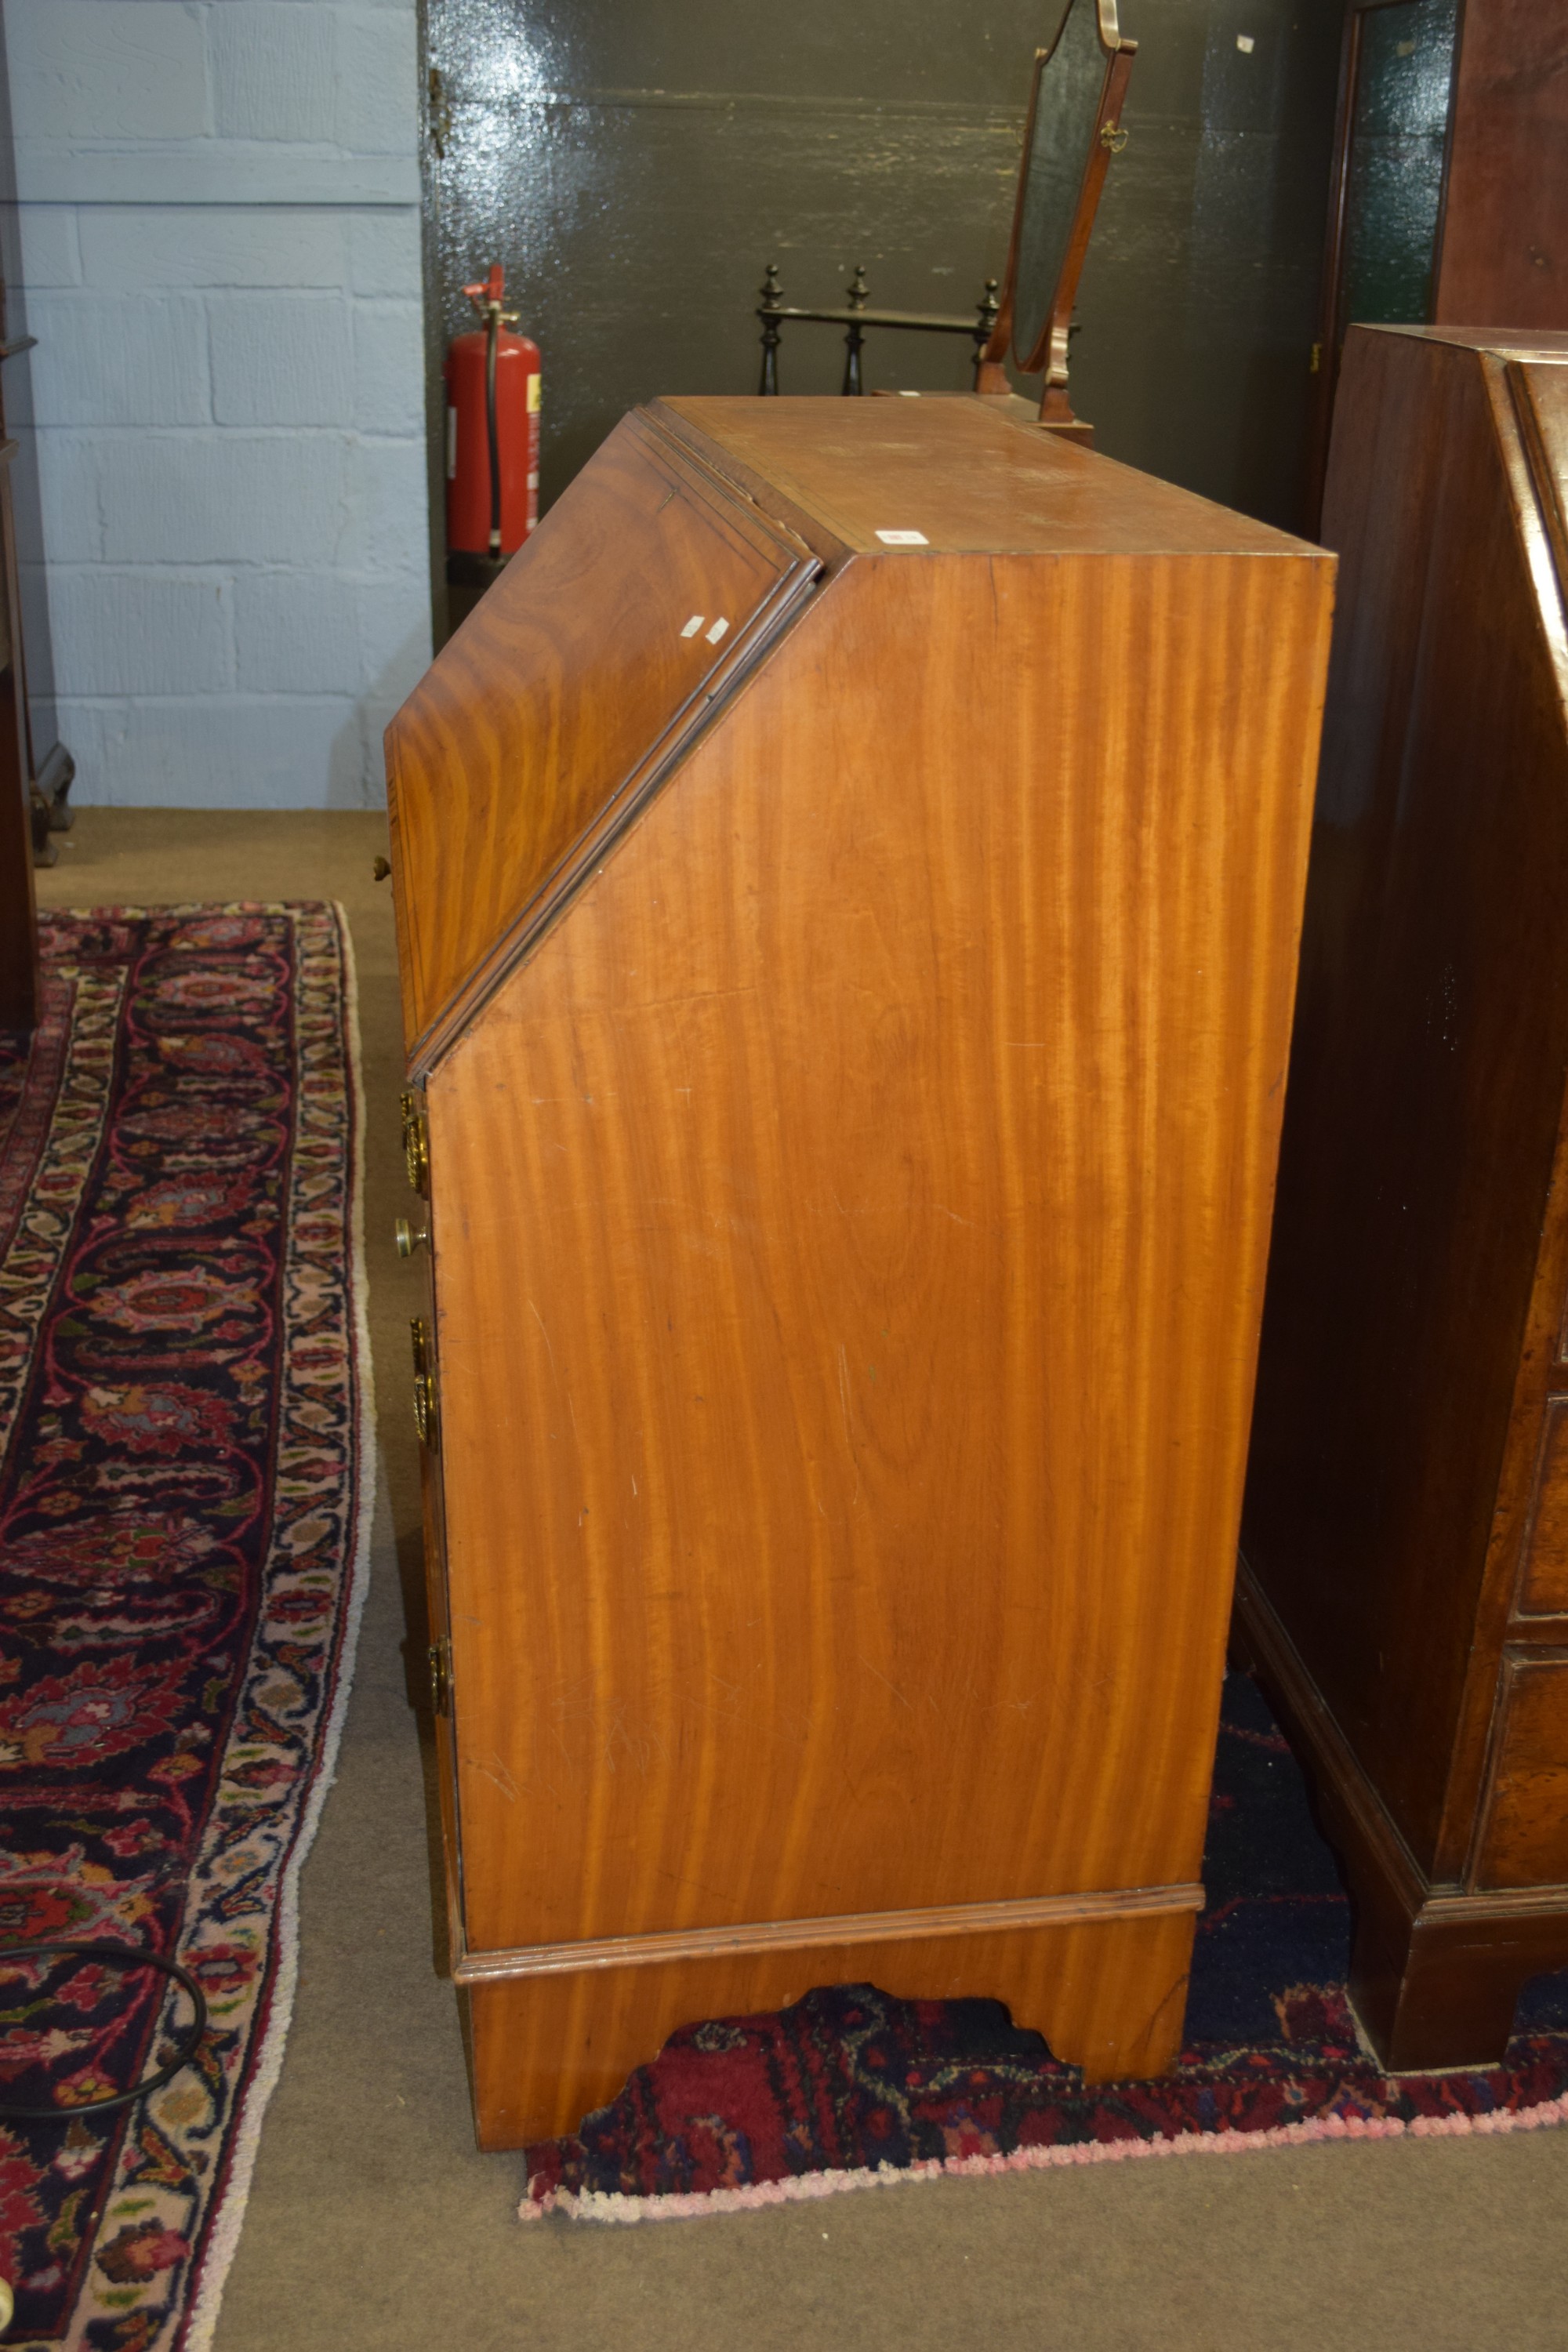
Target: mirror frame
[1049,354]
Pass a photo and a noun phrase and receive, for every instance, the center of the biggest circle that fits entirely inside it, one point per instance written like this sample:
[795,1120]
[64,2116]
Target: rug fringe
[228,2219]
[610,2207]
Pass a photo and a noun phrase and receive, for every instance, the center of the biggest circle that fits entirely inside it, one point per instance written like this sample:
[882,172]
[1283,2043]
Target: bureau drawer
[1525,1840]
[1543,1569]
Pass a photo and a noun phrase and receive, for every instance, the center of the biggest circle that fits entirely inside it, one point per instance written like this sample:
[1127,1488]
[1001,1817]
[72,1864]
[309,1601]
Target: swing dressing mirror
[1072,131]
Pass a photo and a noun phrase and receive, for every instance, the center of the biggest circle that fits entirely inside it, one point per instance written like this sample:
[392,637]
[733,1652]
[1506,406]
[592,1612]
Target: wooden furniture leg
[1435,1972]
[1440,1989]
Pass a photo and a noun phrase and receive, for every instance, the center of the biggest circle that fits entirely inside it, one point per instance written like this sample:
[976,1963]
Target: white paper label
[694,624]
[719,629]
[1246,43]
[903,539]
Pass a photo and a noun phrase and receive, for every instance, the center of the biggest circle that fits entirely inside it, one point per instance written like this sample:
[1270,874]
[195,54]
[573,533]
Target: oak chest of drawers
[849,873]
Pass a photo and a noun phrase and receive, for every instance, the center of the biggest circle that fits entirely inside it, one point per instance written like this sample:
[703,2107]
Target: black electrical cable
[123,1955]
[492,425]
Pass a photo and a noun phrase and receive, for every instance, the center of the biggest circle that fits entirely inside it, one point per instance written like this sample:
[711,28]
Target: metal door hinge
[424,1412]
[415,1144]
[440,112]
[440,1655]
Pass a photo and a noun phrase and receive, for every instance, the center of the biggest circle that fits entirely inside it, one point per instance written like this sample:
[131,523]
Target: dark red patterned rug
[185,1445]
[852,2089]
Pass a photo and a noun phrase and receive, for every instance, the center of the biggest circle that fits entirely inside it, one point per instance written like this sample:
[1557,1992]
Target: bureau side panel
[852,1242]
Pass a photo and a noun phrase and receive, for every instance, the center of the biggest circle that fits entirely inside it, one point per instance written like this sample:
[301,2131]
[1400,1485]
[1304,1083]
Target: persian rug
[852,2089]
[186,1446]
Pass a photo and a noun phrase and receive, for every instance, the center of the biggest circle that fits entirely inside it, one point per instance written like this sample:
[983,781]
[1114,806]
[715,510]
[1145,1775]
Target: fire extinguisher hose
[491,427]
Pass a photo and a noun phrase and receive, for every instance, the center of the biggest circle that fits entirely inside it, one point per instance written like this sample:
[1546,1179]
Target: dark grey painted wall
[636,162]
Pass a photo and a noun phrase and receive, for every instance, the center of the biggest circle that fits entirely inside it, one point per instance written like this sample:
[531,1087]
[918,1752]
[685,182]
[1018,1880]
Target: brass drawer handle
[407,1240]
[424,1414]
[440,1660]
[415,1145]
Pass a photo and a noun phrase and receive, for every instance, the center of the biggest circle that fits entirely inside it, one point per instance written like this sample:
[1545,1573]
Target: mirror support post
[858,294]
[1046,328]
[772,304]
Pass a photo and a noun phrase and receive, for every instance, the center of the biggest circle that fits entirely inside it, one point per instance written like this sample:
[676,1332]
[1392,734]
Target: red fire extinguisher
[492,439]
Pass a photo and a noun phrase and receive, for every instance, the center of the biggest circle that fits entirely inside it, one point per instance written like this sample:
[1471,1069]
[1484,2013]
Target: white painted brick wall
[221,497]
[388,360]
[108,70]
[54,247]
[73,521]
[299,632]
[378,60]
[135,249]
[101,360]
[232,751]
[221,240]
[274,70]
[150,630]
[384,528]
[383,252]
[281,359]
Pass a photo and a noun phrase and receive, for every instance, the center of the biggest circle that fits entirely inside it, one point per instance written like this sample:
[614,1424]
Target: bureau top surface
[966,480]
[1503,342]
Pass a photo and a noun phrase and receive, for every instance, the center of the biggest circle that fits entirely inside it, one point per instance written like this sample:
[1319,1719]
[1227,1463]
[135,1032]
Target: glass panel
[1395,181]
[1066,115]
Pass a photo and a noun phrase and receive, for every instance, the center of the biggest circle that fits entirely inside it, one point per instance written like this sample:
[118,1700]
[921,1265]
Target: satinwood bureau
[1404,1589]
[848,875]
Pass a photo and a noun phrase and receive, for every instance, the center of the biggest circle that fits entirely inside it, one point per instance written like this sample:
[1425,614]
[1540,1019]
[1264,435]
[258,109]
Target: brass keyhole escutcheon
[424,1414]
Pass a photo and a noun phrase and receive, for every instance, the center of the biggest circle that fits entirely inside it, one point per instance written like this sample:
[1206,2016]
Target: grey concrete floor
[374,2224]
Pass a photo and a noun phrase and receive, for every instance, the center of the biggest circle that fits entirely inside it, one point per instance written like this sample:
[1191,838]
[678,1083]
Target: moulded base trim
[806,1935]
[1106,1987]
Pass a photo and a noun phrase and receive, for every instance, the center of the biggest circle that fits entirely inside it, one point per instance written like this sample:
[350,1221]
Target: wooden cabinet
[1405,1536]
[34,775]
[19,911]
[848,876]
